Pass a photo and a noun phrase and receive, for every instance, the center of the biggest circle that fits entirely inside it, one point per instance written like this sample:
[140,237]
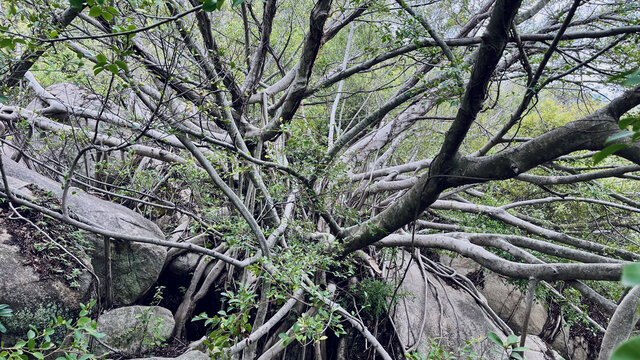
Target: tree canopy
[305,142]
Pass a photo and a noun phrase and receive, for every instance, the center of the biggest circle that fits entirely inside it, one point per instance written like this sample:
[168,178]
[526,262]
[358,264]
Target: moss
[40,317]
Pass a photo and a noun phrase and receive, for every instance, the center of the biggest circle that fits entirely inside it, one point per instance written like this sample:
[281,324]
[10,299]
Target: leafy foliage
[39,343]
[622,139]
[630,349]
[435,351]
[231,324]
[376,296]
[156,69]
[509,347]
[5,311]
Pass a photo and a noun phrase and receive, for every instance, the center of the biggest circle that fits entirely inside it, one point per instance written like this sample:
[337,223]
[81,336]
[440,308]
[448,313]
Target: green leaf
[6,42]
[2,328]
[31,334]
[629,120]
[633,79]
[618,136]
[512,339]
[4,99]
[622,76]
[101,59]
[53,34]
[83,321]
[95,11]
[602,154]
[629,350]
[122,65]
[76,4]
[98,70]
[113,68]
[219,4]
[107,15]
[631,275]
[209,5]
[516,355]
[494,338]
[38,355]
[236,3]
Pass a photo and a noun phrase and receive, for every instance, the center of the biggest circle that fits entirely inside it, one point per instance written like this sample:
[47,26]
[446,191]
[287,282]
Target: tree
[335,127]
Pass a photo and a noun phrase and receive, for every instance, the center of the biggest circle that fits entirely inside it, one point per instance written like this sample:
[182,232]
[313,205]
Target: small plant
[312,328]
[158,295]
[5,311]
[376,296]
[435,351]
[40,345]
[509,347]
[152,330]
[232,323]
[73,278]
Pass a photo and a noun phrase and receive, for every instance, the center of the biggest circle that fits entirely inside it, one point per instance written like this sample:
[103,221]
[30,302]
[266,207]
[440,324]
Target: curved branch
[235,200]
[572,179]
[621,324]
[549,272]
[503,215]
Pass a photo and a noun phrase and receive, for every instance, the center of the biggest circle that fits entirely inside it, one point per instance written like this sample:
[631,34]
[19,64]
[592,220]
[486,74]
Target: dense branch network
[424,137]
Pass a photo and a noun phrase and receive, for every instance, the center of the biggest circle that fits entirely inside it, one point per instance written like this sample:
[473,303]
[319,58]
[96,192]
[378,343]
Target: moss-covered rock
[34,298]
[135,266]
[134,330]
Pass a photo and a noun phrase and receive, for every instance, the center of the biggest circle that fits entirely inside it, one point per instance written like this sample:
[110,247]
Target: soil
[47,259]
[477,278]
[171,350]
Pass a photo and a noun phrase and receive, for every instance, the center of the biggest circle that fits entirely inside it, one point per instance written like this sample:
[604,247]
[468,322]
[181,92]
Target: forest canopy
[302,149]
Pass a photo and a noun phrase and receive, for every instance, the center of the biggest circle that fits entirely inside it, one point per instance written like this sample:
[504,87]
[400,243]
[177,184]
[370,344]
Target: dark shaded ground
[47,259]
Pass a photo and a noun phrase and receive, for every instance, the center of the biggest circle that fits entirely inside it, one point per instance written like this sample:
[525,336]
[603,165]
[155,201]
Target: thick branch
[549,272]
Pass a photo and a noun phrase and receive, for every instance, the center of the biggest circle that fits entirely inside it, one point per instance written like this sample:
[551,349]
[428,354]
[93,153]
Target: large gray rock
[508,303]
[454,320]
[55,146]
[36,299]
[189,355]
[135,266]
[452,316]
[505,299]
[573,347]
[134,330]
[539,350]
[183,265]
